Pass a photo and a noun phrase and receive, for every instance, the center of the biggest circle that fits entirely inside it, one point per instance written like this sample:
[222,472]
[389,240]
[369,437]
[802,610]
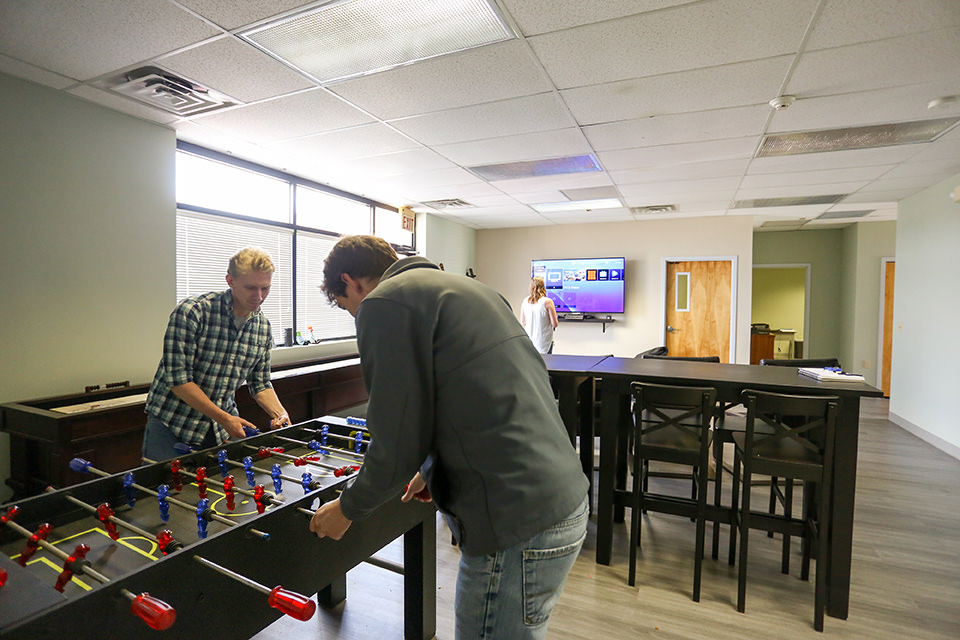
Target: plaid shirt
[202,345]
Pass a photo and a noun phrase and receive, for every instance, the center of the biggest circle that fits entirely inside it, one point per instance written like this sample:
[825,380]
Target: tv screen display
[583,285]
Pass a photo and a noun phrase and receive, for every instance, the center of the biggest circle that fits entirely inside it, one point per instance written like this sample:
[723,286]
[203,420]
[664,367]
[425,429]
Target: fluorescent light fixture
[578,205]
[349,38]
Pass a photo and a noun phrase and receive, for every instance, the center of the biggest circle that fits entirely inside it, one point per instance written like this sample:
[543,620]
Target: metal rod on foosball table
[301,443]
[83,465]
[123,523]
[99,577]
[293,604]
[269,495]
[287,456]
[340,436]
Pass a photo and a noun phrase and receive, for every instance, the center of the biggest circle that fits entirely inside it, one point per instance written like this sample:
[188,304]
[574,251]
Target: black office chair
[671,424]
[798,445]
[801,362]
[655,351]
[646,356]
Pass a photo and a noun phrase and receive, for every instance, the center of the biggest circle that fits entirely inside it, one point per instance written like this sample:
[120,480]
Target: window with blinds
[205,244]
[225,204]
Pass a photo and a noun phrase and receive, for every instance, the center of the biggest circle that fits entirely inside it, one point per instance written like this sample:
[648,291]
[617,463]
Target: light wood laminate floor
[905,574]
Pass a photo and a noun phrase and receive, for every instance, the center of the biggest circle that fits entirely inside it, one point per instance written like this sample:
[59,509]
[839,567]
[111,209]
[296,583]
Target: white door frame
[732,356]
[806,298]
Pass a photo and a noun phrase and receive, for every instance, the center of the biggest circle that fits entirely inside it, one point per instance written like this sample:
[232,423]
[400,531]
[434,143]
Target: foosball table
[215,542]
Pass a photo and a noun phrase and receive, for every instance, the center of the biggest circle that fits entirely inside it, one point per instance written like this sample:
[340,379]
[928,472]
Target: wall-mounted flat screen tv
[583,285]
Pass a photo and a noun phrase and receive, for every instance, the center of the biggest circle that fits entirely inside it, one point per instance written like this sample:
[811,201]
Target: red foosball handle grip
[156,613]
[292,604]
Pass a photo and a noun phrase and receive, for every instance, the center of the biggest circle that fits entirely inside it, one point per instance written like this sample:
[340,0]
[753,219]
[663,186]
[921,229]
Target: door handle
[672,329]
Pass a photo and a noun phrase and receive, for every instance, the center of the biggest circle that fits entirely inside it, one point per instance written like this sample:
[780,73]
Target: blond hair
[537,290]
[249,260]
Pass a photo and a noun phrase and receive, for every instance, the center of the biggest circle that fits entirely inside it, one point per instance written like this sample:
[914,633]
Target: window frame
[293,182]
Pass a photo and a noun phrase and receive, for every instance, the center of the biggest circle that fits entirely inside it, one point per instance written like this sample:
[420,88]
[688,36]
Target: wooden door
[888,273]
[698,308]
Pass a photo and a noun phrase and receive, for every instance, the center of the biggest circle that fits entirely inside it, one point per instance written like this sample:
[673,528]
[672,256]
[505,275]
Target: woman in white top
[538,315]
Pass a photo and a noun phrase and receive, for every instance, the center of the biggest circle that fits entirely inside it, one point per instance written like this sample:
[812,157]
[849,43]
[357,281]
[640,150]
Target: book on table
[829,375]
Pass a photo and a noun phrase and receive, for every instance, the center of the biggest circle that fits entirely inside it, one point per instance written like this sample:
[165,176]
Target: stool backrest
[801,362]
[689,358]
[799,428]
[675,417]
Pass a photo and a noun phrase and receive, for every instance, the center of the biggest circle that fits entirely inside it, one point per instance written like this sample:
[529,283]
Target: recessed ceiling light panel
[879,135]
[537,168]
[340,40]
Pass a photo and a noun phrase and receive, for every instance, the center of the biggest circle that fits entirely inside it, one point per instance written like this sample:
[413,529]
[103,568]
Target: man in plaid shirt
[213,343]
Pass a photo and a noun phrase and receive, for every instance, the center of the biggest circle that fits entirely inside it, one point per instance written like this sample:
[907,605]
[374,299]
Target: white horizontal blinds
[320,210]
[388,225]
[313,309]
[205,245]
[206,183]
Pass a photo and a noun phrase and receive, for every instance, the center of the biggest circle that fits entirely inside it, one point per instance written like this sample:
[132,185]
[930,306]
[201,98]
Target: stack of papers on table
[830,375]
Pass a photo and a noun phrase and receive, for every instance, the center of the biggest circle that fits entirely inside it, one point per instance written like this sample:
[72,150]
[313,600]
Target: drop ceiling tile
[527,114]
[680,197]
[503,222]
[895,195]
[300,114]
[703,126]
[540,197]
[916,183]
[466,192]
[697,170]
[532,146]
[355,142]
[540,16]
[908,60]
[34,74]
[690,187]
[936,169]
[440,179]
[124,32]
[800,190]
[806,211]
[236,69]
[733,85]
[232,15]
[395,164]
[946,147]
[825,176]
[678,154]
[671,40]
[833,160]
[852,21]
[586,217]
[485,74]
[899,104]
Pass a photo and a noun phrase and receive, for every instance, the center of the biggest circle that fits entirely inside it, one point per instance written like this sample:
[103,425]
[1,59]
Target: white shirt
[537,323]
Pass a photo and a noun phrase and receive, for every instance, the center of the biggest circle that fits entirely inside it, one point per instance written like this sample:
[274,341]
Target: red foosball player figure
[202,481]
[104,513]
[258,498]
[176,467]
[3,577]
[78,554]
[33,542]
[229,491]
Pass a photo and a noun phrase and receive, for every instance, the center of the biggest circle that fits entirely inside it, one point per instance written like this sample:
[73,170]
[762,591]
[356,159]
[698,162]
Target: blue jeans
[509,594]
[159,441]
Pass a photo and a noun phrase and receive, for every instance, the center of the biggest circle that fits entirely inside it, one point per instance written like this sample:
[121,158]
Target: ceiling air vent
[448,203]
[653,209]
[787,202]
[164,90]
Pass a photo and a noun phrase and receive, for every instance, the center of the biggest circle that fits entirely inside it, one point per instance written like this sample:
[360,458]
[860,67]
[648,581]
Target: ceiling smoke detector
[782,102]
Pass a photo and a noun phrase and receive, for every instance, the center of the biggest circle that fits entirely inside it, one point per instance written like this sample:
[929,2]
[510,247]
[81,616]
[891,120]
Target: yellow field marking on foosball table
[44,560]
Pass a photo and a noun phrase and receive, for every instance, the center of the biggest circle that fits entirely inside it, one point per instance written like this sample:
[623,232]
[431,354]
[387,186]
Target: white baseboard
[947,447]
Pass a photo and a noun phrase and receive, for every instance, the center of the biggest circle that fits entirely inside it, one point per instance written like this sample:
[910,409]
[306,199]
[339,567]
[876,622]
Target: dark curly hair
[358,257]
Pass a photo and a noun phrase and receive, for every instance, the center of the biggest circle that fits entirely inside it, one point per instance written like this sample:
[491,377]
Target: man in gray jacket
[460,404]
